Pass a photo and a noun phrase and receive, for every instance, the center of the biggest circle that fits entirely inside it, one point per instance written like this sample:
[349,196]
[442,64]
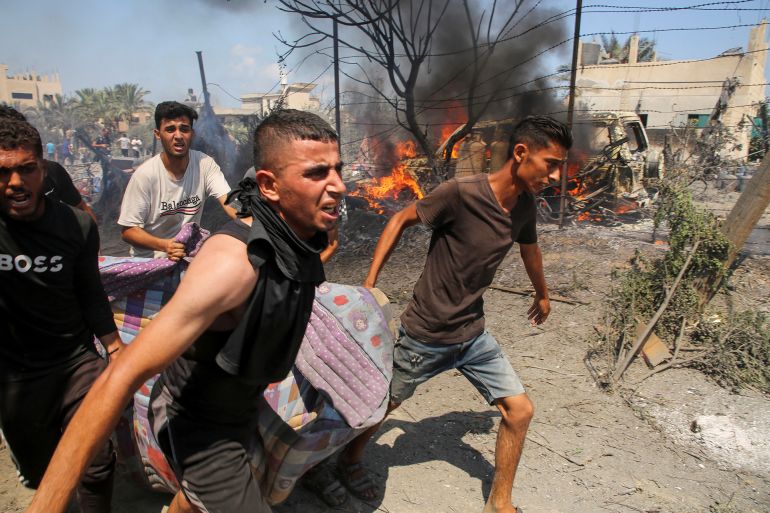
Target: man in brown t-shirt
[475,221]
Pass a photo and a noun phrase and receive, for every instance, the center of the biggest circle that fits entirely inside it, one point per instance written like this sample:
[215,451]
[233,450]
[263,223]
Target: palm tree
[59,114]
[620,52]
[613,47]
[129,98]
[95,105]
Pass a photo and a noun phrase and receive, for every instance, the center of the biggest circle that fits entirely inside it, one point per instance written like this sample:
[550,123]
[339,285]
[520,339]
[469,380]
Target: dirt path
[587,450]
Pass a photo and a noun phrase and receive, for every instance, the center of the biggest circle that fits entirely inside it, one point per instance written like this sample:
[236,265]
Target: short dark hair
[284,125]
[15,133]
[538,132]
[173,110]
[8,112]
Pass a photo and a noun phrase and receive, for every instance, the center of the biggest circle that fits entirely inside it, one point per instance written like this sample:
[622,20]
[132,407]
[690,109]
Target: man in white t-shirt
[169,189]
[136,147]
[124,142]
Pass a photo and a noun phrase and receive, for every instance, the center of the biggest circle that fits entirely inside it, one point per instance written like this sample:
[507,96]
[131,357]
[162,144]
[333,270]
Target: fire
[397,186]
[446,132]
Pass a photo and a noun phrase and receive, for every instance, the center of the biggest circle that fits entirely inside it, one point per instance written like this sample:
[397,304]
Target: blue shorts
[480,359]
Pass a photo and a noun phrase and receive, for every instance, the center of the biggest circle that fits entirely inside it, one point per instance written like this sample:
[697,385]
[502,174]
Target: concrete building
[727,88]
[25,90]
[293,96]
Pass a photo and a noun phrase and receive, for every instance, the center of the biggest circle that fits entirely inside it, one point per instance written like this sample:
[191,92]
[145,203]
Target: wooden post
[748,209]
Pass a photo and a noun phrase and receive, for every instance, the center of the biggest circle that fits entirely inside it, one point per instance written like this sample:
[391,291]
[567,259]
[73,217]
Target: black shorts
[211,460]
[36,407]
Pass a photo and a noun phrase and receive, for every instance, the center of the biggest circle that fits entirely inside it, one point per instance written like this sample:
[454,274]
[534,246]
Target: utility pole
[337,125]
[571,107]
[206,102]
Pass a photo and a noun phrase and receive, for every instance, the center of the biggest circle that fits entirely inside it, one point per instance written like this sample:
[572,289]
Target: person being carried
[51,305]
[57,183]
[169,190]
[475,221]
[233,326]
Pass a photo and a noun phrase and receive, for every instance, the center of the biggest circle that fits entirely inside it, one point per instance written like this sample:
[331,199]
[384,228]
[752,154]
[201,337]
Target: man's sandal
[325,485]
[358,480]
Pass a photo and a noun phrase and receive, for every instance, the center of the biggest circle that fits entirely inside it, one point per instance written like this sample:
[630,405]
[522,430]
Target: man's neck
[505,186]
[176,166]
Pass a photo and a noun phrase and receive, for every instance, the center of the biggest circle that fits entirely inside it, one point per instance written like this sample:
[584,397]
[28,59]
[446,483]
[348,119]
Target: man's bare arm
[230,211]
[112,344]
[533,263]
[389,239]
[141,238]
[334,243]
[219,279]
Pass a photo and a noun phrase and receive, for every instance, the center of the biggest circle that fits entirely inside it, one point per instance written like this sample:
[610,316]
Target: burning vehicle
[612,172]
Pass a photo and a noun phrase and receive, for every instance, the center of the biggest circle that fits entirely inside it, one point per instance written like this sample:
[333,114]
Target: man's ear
[267,185]
[520,152]
[156,132]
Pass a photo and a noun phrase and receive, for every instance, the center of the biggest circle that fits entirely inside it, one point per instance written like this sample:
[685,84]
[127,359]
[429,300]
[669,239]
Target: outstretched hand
[538,312]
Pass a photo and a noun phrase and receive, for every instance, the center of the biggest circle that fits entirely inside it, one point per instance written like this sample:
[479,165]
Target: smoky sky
[512,74]
[235,5]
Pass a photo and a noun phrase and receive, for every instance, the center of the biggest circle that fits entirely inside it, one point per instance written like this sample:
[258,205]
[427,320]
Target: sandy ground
[674,443]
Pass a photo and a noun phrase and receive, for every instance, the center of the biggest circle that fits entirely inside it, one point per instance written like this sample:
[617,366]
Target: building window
[22,96]
[48,98]
[698,120]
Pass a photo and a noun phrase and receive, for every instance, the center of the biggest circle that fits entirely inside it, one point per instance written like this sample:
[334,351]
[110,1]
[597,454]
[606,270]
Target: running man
[475,221]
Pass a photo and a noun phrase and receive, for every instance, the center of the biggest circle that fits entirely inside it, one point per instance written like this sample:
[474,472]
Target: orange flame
[446,131]
[393,186]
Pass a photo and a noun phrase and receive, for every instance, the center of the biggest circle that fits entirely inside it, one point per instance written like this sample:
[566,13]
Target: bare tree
[408,40]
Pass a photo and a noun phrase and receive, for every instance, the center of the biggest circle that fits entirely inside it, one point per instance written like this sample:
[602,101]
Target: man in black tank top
[234,325]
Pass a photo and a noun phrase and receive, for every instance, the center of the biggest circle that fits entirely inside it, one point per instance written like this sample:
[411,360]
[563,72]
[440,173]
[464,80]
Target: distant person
[169,190]
[102,142]
[50,150]
[65,153]
[475,220]
[136,147]
[51,305]
[125,143]
[57,183]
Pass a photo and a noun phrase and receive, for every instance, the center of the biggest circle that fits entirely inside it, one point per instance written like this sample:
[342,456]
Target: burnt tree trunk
[748,209]
[739,223]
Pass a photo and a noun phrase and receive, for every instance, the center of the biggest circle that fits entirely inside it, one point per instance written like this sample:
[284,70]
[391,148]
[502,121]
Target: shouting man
[57,184]
[51,305]
[475,221]
[233,326]
[169,190]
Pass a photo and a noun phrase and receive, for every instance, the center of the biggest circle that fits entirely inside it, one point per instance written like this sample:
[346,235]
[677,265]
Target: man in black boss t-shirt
[51,305]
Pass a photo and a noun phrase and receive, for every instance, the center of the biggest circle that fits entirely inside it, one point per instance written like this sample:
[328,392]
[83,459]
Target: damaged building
[726,89]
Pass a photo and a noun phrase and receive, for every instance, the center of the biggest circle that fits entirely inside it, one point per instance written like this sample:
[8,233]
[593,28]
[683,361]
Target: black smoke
[516,78]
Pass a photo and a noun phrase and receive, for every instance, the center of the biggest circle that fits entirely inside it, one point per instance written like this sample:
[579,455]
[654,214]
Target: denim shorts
[480,359]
